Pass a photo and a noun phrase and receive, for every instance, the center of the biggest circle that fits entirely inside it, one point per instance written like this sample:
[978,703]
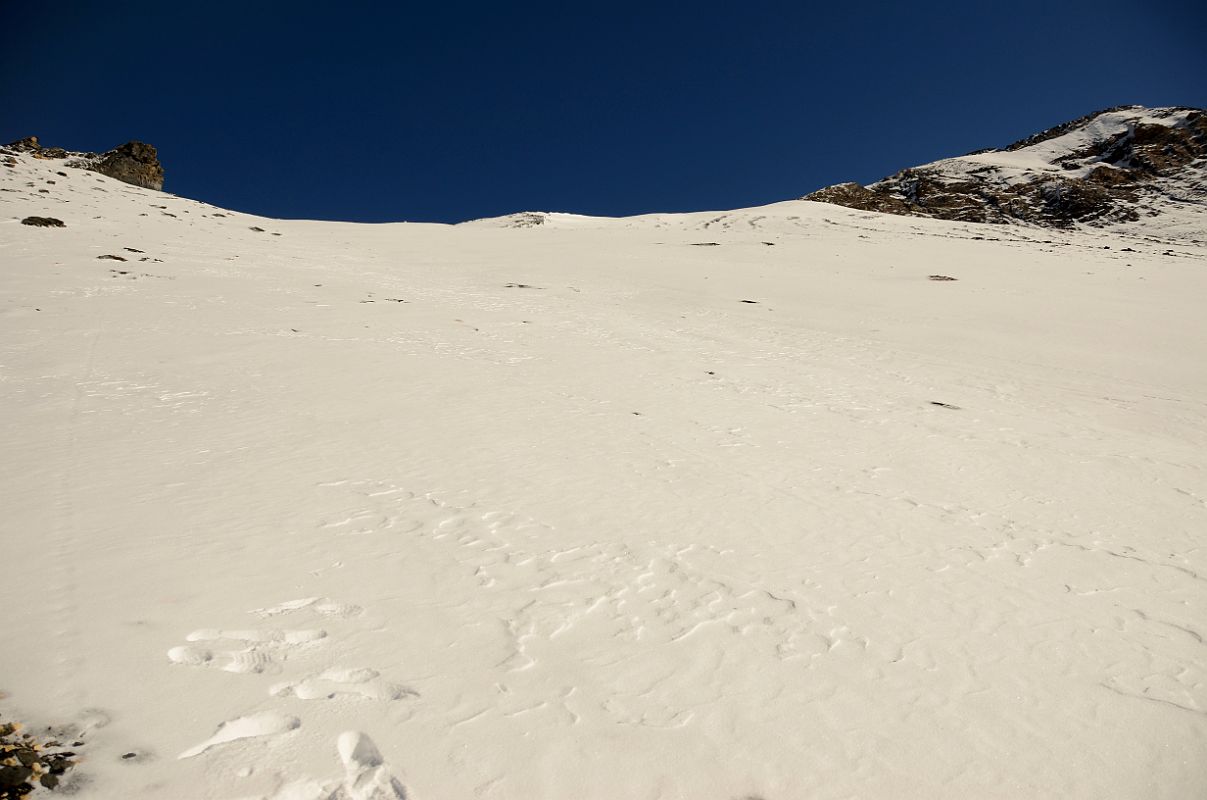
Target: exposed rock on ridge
[1110,166]
[132,162]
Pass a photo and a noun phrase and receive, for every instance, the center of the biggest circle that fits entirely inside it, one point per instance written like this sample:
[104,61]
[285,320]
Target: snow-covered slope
[724,505]
[1123,165]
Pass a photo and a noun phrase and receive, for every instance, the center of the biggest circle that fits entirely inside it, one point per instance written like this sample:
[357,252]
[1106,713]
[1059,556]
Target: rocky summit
[1111,166]
[132,162]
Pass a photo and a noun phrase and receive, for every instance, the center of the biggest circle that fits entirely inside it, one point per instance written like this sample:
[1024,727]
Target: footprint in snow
[365,683]
[256,725]
[262,650]
[320,605]
[366,776]
[256,651]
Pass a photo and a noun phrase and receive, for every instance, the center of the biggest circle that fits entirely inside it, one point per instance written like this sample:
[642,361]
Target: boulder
[133,162]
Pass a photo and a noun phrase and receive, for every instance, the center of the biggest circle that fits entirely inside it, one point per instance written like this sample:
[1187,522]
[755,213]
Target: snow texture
[720,505]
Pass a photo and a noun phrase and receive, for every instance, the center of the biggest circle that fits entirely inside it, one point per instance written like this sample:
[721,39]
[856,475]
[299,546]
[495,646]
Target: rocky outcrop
[132,162]
[1111,166]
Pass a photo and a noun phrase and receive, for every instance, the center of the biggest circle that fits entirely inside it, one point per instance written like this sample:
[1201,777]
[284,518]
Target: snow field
[598,508]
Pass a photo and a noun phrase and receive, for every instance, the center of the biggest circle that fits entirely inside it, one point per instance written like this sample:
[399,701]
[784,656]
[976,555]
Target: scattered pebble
[27,762]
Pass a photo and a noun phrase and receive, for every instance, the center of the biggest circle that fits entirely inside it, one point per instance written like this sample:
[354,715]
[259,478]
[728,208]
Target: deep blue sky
[450,111]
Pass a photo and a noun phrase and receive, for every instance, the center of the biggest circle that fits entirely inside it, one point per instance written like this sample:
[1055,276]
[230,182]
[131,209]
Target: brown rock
[44,222]
[133,162]
[26,145]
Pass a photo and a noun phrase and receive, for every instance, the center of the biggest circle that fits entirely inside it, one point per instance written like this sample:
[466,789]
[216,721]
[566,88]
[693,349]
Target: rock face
[132,162]
[1111,166]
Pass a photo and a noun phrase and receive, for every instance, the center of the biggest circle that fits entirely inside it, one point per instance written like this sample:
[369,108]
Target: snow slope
[659,507]
[1128,164]
[1068,155]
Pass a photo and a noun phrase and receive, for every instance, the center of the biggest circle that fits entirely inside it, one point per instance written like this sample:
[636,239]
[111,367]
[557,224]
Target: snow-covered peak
[1072,152]
[1120,165]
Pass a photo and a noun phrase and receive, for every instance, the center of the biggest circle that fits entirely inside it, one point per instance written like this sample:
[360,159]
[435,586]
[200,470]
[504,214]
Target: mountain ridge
[134,162]
[1116,166]
[1112,166]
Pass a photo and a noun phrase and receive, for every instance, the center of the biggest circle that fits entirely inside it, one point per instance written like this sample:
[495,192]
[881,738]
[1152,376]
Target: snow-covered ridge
[1071,155]
[134,162]
[1121,165]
